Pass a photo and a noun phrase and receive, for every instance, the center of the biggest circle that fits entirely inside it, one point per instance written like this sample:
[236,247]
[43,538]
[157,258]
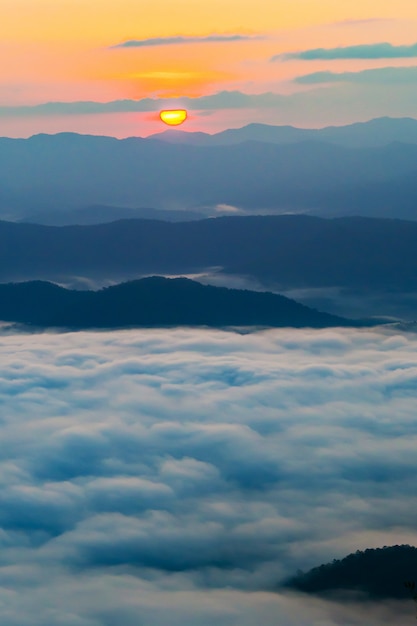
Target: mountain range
[156,301]
[367,170]
[290,251]
[102,214]
[351,267]
[377,132]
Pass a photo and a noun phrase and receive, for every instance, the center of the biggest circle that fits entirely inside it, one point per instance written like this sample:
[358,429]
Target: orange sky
[64,50]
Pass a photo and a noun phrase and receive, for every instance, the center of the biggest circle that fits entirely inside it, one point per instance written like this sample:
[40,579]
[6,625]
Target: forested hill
[289,250]
[374,573]
[155,301]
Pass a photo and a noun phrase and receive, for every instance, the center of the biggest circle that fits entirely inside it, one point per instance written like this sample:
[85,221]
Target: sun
[173,117]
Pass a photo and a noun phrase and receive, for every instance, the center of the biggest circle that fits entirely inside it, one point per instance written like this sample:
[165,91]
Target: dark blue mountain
[290,251]
[377,132]
[155,301]
[371,574]
[65,172]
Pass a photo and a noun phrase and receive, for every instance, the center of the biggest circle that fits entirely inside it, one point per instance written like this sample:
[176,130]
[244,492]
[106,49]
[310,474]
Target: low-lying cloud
[176,476]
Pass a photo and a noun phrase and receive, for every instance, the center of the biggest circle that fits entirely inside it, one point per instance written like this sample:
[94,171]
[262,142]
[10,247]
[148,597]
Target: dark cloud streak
[181,40]
[368,51]
[383,75]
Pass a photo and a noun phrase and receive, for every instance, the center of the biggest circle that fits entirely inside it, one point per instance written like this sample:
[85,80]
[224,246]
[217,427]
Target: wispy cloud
[369,20]
[220,100]
[383,75]
[368,51]
[180,40]
[80,108]
[325,104]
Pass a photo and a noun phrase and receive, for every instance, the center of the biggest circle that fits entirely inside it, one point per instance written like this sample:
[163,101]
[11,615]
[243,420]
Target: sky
[176,477]
[309,63]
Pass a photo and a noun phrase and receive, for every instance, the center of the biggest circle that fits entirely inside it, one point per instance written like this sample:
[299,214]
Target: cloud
[383,75]
[324,104]
[80,108]
[181,40]
[160,476]
[369,51]
[359,22]
[227,209]
[223,99]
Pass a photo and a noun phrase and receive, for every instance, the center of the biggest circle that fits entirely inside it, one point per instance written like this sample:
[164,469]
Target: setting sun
[173,117]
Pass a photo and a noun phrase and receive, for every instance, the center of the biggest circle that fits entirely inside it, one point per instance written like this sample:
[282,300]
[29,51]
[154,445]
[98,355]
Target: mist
[178,476]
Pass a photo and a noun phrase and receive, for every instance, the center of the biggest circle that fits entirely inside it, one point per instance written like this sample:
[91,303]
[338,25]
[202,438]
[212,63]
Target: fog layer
[176,477]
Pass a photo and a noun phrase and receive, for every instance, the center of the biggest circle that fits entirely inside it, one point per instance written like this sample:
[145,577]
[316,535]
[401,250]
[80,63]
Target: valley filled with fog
[208,313]
[178,476]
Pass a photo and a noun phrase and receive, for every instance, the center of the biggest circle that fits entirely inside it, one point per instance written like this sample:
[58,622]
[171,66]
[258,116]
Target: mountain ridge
[374,132]
[154,302]
[372,574]
[68,172]
[289,250]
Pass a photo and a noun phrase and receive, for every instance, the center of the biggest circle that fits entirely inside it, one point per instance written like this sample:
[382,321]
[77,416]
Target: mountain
[155,301]
[101,214]
[374,133]
[373,574]
[66,172]
[289,251]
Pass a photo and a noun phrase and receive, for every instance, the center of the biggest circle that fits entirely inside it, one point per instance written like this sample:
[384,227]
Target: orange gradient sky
[66,51]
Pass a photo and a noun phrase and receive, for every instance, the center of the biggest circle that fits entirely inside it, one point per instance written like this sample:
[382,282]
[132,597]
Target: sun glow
[173,117]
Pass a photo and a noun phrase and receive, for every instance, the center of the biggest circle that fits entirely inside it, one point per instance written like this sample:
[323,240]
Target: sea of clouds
[175,477]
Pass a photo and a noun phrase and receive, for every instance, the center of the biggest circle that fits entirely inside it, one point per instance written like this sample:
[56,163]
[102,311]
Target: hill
[288,251]
[65,172]
[154,301]
[373,574]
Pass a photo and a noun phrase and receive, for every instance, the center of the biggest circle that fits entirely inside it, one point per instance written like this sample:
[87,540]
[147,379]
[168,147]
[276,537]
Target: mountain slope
[291,251]
[154,301]
[376,132]
[68,171]
[374,573]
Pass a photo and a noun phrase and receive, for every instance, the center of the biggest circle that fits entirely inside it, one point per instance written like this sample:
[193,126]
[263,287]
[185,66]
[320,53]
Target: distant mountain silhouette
[155,301]
[377,132]
[102,214]
[374,574]
[67,171]
[291,251]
